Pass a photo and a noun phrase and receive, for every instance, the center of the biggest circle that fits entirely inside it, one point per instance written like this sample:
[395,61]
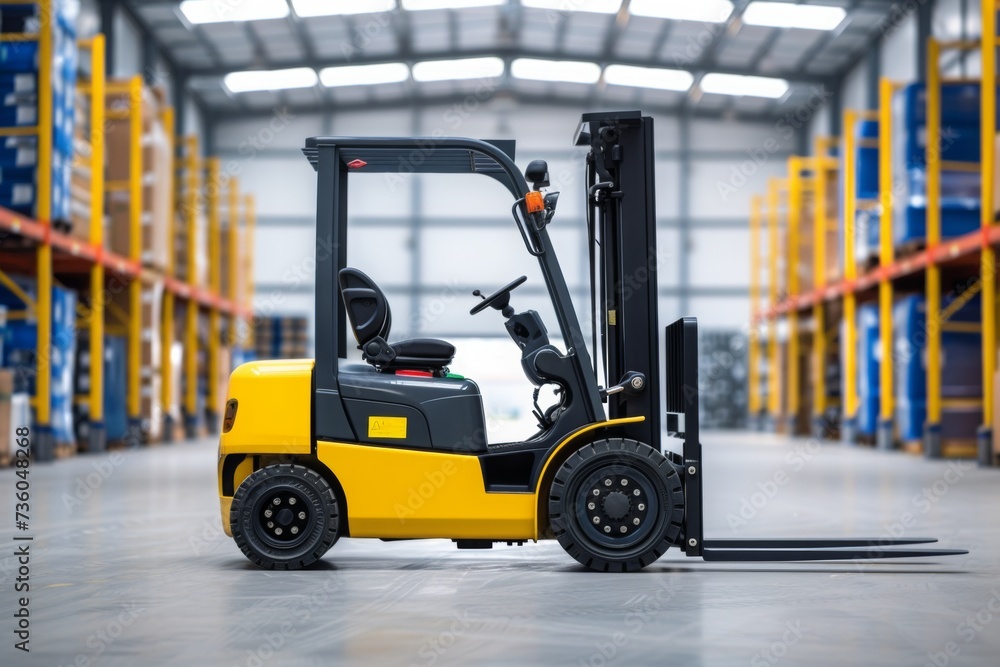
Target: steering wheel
[499,299]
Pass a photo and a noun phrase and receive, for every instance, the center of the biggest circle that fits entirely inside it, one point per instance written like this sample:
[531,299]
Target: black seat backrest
[367,308]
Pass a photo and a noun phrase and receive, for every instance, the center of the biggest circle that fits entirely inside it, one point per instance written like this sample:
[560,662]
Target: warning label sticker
[387,427]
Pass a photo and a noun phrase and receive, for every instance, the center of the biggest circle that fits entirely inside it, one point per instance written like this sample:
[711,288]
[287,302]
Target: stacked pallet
[281,337]
[19,349]
[153,171]
[80,172]
[722,369]
[19,87]
[115,388]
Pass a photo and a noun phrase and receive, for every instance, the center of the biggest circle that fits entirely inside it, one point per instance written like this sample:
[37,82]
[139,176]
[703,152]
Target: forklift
[395,448]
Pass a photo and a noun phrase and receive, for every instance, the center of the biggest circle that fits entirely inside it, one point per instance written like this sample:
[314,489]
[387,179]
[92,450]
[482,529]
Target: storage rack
[972,255]
[35,247]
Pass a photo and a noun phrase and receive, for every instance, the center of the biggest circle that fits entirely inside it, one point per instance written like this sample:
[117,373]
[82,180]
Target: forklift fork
[682,422]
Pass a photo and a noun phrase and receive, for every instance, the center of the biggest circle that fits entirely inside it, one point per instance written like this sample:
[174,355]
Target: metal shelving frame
[56,253]
[956,254]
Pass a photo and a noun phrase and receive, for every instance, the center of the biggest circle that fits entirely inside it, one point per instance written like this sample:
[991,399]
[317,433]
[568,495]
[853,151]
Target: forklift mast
[621,221]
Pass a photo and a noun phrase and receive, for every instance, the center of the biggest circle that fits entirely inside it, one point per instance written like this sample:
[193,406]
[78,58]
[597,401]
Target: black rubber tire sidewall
[313,489]
[563,493]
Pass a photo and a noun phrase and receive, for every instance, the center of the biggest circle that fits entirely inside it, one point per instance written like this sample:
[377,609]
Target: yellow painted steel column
[44,440]
[167,319]
[933,278]
[988,134]
[98,431]
[792,270]
[233,238]
[215,281]
[191,323]
[135,250]
[235,258]
[755,303]
[849,213]
[774,365]
[250,213]
[819,282]
[885,181]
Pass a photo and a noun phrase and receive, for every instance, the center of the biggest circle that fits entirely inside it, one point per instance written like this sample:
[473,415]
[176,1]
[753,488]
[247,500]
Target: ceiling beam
[227,115]
[504,52]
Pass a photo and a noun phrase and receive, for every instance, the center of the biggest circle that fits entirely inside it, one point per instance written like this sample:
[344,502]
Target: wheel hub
[616,506]
[284,518]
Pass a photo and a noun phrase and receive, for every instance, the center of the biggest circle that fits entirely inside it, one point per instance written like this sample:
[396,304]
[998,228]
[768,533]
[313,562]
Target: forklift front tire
[285,517]
[616,505]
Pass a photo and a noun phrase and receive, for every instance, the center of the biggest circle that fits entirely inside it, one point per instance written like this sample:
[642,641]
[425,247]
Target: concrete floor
[130,566]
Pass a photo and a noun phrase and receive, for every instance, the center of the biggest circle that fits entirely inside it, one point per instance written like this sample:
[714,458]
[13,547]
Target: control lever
[632,383]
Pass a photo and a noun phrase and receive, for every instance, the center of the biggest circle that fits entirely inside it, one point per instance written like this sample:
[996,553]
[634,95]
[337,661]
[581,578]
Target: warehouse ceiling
[512,30]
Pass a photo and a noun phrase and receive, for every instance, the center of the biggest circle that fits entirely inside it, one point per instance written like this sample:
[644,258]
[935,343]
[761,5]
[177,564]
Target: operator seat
[370,317]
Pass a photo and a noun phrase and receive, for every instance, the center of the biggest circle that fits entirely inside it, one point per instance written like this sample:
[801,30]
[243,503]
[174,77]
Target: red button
[415,374]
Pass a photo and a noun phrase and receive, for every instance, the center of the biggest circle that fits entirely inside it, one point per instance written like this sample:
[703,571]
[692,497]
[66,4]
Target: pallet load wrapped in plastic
[20,352]
[19,93]
[155,166]
[115,388]
[151,304]
[961,364]
[15,413]
[866,192]
[869,388]
[80,176]
[959,154]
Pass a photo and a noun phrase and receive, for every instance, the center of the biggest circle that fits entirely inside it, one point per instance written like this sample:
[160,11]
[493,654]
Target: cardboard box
[6,431]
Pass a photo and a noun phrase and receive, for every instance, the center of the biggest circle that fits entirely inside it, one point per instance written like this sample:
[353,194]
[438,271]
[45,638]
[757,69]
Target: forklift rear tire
[616,505]
[285,517]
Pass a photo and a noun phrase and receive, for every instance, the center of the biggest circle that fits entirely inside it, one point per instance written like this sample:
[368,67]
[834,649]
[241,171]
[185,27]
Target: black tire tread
[330,533]
[576,545]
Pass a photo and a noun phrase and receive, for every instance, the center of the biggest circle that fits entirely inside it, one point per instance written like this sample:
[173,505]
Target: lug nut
[635,492]
[291,501]
[302,516]
[295,530]
[270,524]
[607,529]
[591,506]
[607,482]
[597,519]
[635,521]
[623,529]
[268,513]
[624,482]
[642,506]
[277,531]
[597,492]
[277,501]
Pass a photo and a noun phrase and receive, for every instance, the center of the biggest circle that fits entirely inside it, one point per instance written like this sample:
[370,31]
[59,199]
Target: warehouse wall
[451,235]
